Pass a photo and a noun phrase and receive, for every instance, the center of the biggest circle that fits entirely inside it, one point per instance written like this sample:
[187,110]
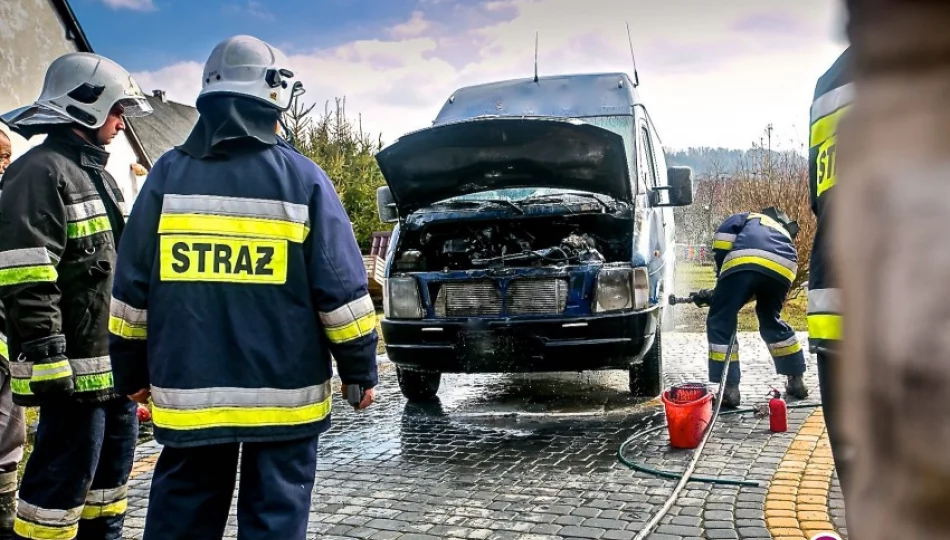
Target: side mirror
[680,180]
[386,205]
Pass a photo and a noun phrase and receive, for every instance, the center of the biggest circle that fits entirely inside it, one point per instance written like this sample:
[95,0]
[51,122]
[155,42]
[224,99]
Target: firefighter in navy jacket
[237,277]
[755,258]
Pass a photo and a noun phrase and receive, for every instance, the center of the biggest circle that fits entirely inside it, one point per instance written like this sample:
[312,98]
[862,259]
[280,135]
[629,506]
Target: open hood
[447,160]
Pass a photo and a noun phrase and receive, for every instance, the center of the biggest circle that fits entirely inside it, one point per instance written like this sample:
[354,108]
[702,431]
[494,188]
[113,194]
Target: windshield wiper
[559,197]
[482,202]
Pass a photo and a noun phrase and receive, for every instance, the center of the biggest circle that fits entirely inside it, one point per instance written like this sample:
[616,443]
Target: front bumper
[610,341]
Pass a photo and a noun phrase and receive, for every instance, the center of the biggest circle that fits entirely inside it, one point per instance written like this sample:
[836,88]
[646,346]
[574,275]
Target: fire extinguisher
[778,413]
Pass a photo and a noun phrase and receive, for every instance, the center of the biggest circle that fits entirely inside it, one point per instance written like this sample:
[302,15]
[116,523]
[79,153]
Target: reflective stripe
[717,352]
[211,214]
[832,100]
[26,265]
[46,524]
[4,350]
[826,127]
[197,398]
[236,206]
[88,227]
[770,223]
[203,408]
[723,241]
[126,321]
[51,371]
[85,210]
[824,327]
[785,347]
[105,503]
[92,374]
[228,225]
[824,301]
[350,321]
[769,260]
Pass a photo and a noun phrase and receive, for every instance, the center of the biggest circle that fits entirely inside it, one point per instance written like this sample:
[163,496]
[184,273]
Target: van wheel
[646,378]
[418,385]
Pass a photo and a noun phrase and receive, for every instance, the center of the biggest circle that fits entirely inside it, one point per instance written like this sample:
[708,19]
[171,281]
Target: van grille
[484,299]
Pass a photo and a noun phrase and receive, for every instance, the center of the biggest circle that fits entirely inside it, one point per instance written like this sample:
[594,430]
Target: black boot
[795,387]
[731,398]
[7,514]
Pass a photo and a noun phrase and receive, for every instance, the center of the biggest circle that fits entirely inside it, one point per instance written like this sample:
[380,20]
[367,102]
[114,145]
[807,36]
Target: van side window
[650,156]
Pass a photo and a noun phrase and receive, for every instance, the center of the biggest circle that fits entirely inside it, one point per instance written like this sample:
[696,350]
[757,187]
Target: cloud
[253,8]
[137,5]
[709,75]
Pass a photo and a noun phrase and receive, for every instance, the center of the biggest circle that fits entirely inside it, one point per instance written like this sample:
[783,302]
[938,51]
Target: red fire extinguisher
[778,413]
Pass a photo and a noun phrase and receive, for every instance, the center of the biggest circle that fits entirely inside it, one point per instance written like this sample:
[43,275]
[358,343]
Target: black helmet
[782,217]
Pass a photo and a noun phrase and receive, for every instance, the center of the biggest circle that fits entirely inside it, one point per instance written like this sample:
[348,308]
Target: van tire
[646,378]
[418,385]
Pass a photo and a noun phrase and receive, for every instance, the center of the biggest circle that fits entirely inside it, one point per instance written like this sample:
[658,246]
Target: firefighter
[832,98]
[755,258]
[60,220]
[226,319]
[12,421]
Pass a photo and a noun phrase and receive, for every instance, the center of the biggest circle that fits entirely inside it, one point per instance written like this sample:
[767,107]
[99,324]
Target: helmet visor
[134,107]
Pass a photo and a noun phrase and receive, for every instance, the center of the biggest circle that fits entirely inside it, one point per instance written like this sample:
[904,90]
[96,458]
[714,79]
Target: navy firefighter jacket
[235,281]
[756,242]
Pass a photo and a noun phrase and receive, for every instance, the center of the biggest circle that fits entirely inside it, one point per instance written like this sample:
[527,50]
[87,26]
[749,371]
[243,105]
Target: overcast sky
[712,72]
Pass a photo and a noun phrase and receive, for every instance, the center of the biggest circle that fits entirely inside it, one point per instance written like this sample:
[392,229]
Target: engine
[501,244]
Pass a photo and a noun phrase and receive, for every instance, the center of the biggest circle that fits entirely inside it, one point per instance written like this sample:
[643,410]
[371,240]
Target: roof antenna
[535,56]
[636,76]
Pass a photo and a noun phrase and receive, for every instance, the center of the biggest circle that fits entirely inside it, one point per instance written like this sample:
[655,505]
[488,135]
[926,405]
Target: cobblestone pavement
[534,457]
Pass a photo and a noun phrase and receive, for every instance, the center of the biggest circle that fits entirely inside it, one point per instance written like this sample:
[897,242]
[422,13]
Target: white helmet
[246,66]
[83,88]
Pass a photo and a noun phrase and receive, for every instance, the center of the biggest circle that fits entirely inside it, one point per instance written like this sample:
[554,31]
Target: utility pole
[892,247]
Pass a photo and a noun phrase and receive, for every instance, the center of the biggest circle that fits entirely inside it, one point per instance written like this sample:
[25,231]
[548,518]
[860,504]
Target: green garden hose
[674,475]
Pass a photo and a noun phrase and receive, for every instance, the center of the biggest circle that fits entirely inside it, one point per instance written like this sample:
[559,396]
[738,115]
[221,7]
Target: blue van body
[534,232]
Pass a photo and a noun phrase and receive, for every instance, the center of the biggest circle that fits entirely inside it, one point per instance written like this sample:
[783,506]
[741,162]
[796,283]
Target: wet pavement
[535,457]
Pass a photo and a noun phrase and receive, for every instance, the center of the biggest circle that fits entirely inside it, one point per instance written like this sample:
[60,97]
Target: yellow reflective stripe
[722,244]
[52,371]
[825,127]
[21,386]
[88,227]
[229,225]
[93,511]
[771,265]
[36,531]
[358,328]
[4,351]
[721,356]
[125,329]
[27,274]
[94,383]
[238,417]
[824,326]
[787,350]
[770,223]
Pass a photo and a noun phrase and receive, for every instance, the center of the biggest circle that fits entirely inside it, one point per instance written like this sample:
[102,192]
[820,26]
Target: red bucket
[686,422]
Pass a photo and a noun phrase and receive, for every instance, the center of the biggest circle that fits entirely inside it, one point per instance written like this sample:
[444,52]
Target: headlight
[621,288]
[401,299]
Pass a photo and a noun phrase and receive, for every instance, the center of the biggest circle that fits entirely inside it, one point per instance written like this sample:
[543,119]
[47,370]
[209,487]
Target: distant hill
[706,160]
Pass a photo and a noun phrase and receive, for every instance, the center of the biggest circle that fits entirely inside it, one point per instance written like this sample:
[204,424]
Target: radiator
[484,298]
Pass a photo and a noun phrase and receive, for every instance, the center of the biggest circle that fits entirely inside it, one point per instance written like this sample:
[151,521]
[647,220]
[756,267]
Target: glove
[703,297]
[52,374]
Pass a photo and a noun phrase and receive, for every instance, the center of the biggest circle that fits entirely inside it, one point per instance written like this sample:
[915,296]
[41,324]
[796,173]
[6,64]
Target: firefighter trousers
[12,439]
[731,294]
[75,481]
[192,490]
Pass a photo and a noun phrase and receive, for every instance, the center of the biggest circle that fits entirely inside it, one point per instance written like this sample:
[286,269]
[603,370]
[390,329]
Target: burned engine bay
[527,242]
